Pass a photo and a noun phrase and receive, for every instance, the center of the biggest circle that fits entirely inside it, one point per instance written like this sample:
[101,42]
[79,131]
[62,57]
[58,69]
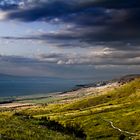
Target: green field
[112,115]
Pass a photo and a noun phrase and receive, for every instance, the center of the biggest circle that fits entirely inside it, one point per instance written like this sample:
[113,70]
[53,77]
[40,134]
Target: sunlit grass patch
[121,106]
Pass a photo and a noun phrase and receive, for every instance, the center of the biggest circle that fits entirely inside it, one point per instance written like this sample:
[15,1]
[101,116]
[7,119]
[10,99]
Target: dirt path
[120,130]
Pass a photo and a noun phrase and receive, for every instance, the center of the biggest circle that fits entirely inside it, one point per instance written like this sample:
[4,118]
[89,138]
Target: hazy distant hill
[128,78]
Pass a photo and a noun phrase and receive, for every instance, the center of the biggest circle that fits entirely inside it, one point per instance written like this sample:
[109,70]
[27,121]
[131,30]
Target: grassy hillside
[108,114]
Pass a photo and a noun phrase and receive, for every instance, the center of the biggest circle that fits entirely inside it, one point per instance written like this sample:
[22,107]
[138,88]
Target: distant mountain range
[17,76]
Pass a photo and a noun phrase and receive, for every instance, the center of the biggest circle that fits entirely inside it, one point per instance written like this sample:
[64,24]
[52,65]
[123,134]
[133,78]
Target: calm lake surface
[17,86]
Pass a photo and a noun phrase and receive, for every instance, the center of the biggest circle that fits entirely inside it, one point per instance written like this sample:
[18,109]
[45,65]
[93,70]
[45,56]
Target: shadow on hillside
[75,130]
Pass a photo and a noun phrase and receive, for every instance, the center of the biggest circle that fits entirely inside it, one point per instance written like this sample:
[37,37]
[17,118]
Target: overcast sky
[84,39]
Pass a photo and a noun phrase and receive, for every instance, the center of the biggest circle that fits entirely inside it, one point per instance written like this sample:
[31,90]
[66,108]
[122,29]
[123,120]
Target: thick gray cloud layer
[27,66]
[111,24]
[105,57]
[93,21]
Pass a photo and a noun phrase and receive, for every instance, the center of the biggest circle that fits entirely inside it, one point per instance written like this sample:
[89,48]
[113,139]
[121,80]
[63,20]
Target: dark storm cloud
[94,22]
[47,10]
[115,4]
[8,7]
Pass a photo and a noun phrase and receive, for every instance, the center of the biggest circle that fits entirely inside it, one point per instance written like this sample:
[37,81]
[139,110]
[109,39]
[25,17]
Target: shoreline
[59,97]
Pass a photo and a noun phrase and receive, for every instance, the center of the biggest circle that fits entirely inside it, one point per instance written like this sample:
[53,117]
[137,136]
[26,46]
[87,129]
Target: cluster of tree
[75,129]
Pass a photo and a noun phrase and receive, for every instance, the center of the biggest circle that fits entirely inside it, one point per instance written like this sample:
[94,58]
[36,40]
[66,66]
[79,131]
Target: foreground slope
[110,112]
